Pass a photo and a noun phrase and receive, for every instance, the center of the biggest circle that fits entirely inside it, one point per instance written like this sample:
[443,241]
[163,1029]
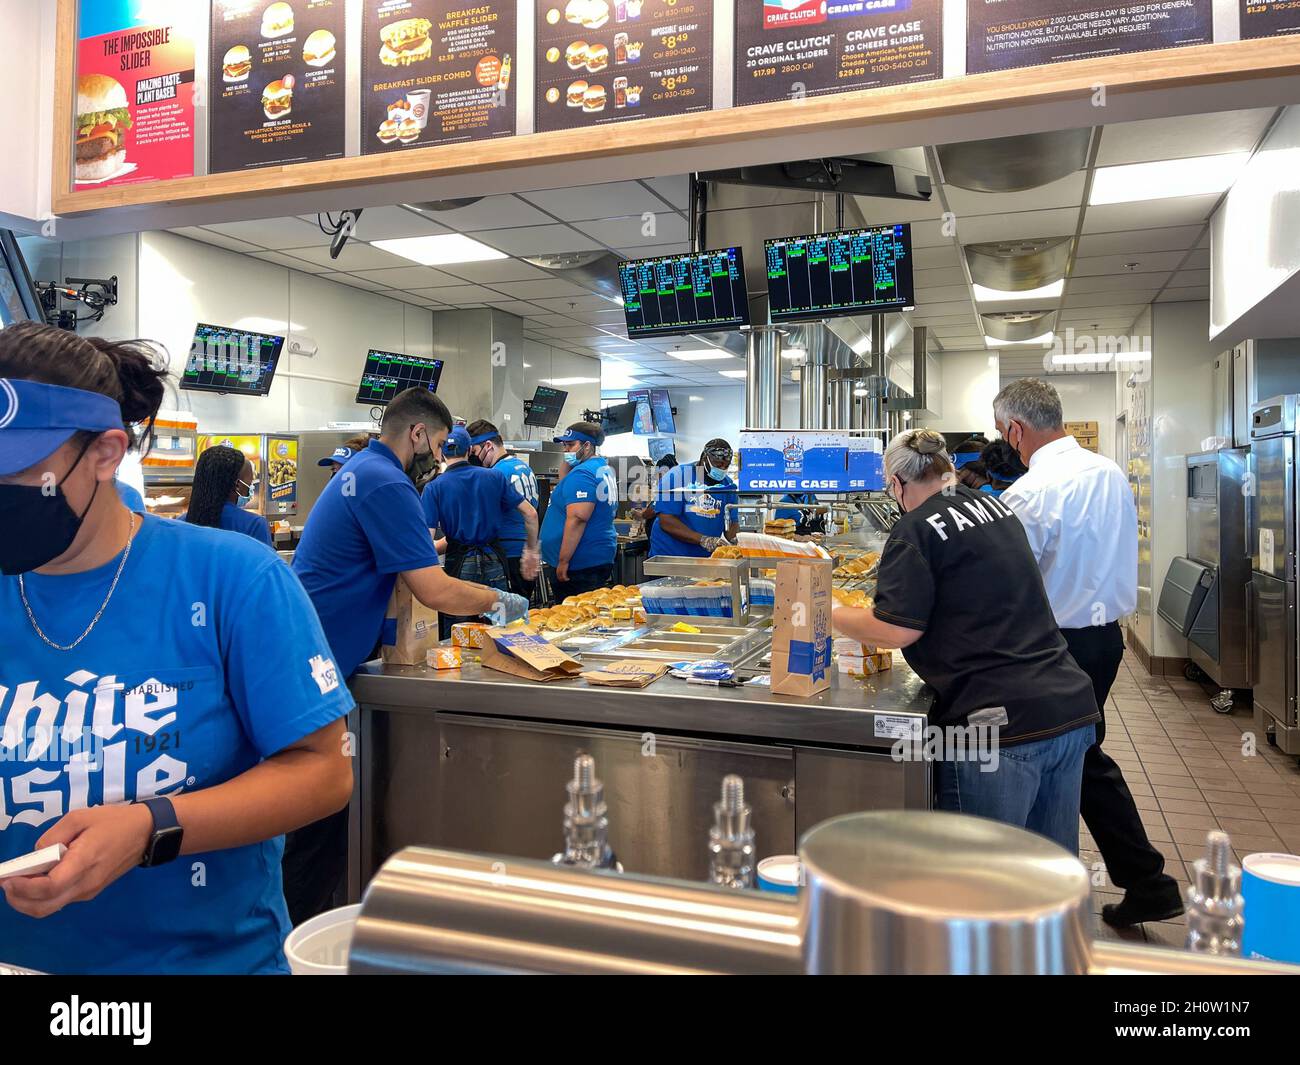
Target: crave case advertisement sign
[788,49]
[277,83]
[602,61]
[1002,34]
[1269,18]
[436,72]
[134,99]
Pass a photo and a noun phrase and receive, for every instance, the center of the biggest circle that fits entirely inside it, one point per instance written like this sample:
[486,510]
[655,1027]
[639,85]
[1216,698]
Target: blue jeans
[1035,785]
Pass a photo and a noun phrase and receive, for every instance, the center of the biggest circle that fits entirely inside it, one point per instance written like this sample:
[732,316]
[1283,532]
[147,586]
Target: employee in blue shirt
[488,449]
[168,690]
[578,538]
[223,485]
[469,505]
[690,504]
[366,529]
[340,455]
[806,522]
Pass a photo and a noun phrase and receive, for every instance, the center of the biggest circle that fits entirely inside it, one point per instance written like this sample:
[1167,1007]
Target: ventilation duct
[596,271]
[1017,326]
[1013,164]
[1019,265]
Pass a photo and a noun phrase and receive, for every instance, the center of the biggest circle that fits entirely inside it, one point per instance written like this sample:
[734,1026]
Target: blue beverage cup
[1270,885]
[780,873]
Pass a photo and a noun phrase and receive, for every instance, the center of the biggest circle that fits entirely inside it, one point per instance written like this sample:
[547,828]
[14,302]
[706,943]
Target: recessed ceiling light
[1100,358]
[793,353]
[1043,341]
[445,249]
[558,381]
[997,295]
[1166,178]
[696,399]
[734,373]
[700,354]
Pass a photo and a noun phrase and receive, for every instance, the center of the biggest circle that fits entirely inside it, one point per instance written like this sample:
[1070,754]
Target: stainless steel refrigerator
[1272,532]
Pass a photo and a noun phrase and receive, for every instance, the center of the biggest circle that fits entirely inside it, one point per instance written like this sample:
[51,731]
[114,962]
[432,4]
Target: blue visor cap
[341,455]
[457,443]
[37,419]
[482,438]
[570,436]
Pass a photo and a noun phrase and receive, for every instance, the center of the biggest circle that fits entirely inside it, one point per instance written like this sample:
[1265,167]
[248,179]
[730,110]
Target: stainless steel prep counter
[477,760]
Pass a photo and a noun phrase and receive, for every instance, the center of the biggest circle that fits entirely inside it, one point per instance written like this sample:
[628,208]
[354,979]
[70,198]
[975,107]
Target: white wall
[1089,398]
[26,119]
[969,381]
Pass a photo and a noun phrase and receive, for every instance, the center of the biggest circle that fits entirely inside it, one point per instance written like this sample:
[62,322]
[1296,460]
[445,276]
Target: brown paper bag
[526,653]
[801,627]
[627,674]
[410,628]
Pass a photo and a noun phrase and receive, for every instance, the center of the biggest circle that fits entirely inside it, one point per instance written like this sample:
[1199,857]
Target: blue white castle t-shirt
[208,659]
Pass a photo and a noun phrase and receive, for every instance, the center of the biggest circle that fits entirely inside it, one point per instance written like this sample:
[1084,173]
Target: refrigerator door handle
[1252,651]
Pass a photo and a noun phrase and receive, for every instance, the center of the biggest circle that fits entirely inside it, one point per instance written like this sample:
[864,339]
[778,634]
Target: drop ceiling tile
[392,223]
[879,212]
[1126,312]
[579,303]
[941,258]
[355,256]
[461,295]
[930,235]
[1198,260]
[220,240]
[354,282]
[1173,238]
[1067,192]
[495,270]
[292,262]
[1182,137]
[1102,299]
[929,311]
[491,212]
[548,287]
[1174,211]
[611,200]
[409,277]
[550,320]
[1118,282]
[943,294]
[654,251]
[928,279]
[536,240]
[662,227]
[1184,295]
[1117,265]
[969,342]
[676,190]
[520,309]
[275,234]
[1018,225]
[1188,278]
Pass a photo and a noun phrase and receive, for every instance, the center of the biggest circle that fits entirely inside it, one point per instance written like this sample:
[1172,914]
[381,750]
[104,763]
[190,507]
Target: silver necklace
[22,591]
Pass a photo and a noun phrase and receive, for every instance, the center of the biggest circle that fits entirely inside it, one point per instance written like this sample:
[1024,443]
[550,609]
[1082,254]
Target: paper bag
[527,653]
[410,628]
[627,674]
[801,628]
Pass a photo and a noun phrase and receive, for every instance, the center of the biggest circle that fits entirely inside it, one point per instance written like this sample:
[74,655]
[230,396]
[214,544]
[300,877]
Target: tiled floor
[1187,768]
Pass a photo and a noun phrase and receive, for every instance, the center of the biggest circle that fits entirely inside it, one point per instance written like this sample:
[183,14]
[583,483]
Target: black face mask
[39,525]
[421,465]
[474,460]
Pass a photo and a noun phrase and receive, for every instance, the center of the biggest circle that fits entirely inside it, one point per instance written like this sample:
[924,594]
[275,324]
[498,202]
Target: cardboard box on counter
[446,657]
[469,634]
[866,665]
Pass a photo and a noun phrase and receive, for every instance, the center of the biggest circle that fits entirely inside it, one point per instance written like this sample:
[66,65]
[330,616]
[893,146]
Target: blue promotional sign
[809,461]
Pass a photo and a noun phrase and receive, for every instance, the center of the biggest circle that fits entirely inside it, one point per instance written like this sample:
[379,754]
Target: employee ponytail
[917,455]
[132,372]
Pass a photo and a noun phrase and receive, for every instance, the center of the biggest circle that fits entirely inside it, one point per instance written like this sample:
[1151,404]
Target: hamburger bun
[388,131]
[99,92]
[103,167]
[597,58]
[319,48]
[575,93]
[277,20]
[593,99]
[576,55]
[408,131]
[237,64]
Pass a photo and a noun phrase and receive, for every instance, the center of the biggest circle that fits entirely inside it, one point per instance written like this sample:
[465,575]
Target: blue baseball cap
[570,436]
[37,419]
[341,455]
[457,443]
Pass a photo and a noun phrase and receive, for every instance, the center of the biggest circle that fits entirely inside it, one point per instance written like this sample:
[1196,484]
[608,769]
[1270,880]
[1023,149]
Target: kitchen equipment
[1272,543]
[731,839]
[1214,902]
[586,824]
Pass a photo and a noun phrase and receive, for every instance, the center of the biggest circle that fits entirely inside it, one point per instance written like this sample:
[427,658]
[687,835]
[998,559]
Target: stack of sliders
[406,41]
[237,65]
[620,603]
[780,527]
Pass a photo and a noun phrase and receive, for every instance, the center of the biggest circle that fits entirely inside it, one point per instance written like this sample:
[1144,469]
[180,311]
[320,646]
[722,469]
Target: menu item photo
[638,58]
[278,83]
[433,72]
[103,118]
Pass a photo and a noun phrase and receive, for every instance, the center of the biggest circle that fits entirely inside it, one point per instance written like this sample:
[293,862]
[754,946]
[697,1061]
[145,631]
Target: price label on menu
[790,49]
[603,61]
[276,71]
[436,72]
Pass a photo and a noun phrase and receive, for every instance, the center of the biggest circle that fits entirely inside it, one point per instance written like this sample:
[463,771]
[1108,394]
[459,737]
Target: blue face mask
[714,474]
[570,458]
[244,500]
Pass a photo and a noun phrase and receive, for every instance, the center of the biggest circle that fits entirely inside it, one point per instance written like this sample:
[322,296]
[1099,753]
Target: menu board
[1002,34]
[436,72]
[789,49]
[601,61]
[1269,18]
[277,83]
[134,106]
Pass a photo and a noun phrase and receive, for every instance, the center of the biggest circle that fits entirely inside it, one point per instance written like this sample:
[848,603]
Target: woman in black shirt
[960,593]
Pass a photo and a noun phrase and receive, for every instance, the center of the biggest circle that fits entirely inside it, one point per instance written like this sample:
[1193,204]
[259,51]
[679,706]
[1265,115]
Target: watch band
[165,842]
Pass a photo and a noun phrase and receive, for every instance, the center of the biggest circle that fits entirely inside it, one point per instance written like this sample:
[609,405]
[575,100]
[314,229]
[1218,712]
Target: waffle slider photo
[277,100]
[319,49]
[277,20]
[237,65]
[406,41]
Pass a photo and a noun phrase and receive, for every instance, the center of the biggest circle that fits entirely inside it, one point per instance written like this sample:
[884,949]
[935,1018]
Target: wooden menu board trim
[1196,65]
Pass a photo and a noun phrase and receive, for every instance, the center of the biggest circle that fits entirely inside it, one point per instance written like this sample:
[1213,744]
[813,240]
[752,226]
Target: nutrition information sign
[600,61]
[788,49]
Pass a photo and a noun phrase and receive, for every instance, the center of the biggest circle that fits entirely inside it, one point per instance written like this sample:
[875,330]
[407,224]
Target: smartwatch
[165,842]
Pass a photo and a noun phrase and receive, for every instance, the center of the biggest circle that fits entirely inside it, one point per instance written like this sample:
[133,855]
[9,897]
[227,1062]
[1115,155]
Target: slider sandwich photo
[102,119]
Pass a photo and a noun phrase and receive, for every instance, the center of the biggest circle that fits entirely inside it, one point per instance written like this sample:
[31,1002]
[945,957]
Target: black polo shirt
[959,569]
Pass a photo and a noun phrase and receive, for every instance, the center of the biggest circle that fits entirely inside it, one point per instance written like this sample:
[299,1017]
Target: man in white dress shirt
[1077,510]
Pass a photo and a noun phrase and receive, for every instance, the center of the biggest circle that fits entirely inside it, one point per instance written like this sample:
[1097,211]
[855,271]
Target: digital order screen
[644,423]
[700,291]
[387,374]
[662,407]
[545,409]
[231,360]
[854,271]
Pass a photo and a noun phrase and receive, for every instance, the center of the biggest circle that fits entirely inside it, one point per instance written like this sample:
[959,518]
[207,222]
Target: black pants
[518,584]
[581,580]
[314,865]
[1105,802]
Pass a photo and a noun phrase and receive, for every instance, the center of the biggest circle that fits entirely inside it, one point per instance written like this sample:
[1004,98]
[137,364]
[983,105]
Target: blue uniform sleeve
[393,521]
[583,487]
[429,503]
[282,676]
[511,497]
[667,499]
[260,530]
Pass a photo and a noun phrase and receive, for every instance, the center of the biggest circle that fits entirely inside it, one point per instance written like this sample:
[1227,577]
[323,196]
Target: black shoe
[1161,905]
